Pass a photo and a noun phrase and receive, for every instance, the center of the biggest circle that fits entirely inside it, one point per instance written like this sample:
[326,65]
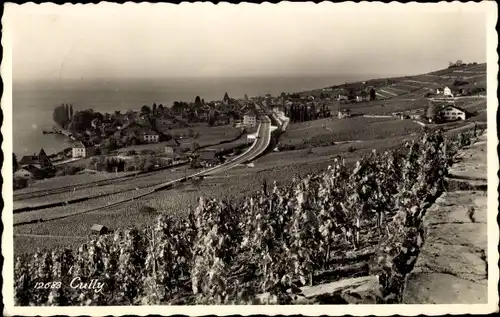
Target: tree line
[303,112]
[63,115]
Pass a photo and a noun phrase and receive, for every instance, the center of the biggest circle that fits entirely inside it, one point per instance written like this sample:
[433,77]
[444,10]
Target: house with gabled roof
[452,113]
[209,158]
[81,149]
[97,229]
[40,161]
[150,136]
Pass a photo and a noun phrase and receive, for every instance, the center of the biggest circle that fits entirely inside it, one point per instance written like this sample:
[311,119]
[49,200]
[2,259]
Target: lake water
[33,102]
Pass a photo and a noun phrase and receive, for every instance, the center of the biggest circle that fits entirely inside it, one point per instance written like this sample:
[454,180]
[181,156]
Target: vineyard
[103,190]
[320,228]
[48,214]
[61,182]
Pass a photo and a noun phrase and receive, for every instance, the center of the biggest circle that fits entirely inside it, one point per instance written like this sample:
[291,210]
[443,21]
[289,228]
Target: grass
[357,128]
[473,105]
[156,147]
[388,106]
[49,214]
[70,180]
[125,185]
[208,135]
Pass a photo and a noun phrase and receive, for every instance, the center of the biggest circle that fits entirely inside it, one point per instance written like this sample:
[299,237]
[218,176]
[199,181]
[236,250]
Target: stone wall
[452,265]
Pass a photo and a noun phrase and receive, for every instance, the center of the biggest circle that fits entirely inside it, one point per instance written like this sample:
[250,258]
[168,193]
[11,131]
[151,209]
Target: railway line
[257,148]
[104,182]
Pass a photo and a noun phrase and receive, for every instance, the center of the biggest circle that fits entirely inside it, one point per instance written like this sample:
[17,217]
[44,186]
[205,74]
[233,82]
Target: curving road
[258,147]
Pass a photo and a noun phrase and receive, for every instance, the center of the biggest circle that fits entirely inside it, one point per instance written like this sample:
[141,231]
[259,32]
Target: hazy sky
[240,40]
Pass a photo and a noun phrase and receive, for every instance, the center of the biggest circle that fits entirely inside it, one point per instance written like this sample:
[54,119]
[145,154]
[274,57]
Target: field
[70,180]
[417,86]
[208,135]
[349,129]
[352,139]
[380,106]
[275,166]
[272,167]
[346,221]
[124,185]
[49,214]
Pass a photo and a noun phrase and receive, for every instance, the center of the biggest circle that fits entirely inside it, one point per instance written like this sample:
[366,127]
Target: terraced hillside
[418,86]
[312,145]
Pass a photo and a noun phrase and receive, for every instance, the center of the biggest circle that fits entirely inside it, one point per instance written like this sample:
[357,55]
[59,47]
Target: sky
[206,40]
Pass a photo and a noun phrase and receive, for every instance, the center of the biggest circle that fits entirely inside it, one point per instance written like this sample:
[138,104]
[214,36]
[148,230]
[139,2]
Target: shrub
[20,183]
[69,170]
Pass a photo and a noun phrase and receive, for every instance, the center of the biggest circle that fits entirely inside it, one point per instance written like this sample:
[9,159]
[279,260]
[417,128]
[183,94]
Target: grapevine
[273,242]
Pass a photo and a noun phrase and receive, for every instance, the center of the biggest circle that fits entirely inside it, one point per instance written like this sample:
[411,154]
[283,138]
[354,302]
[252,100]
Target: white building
[444,91]
[249,120]
[151,137]
[23,174]
[451,113]
[79,150]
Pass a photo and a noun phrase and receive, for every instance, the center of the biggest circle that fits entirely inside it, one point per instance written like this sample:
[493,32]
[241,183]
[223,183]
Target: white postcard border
[491,10]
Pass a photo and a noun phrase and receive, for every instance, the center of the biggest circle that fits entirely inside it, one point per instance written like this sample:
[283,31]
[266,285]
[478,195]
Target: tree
[373,94]
[82,120]
[145,110]
[211,118]
[154,108]
[14,161]
[197,101]
[95,140]
[433,112]
[60,116]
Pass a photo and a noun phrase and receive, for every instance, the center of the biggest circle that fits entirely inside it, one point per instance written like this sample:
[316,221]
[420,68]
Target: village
[204,134]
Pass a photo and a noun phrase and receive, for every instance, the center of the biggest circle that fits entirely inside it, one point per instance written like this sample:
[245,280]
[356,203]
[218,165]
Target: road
[258,147]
